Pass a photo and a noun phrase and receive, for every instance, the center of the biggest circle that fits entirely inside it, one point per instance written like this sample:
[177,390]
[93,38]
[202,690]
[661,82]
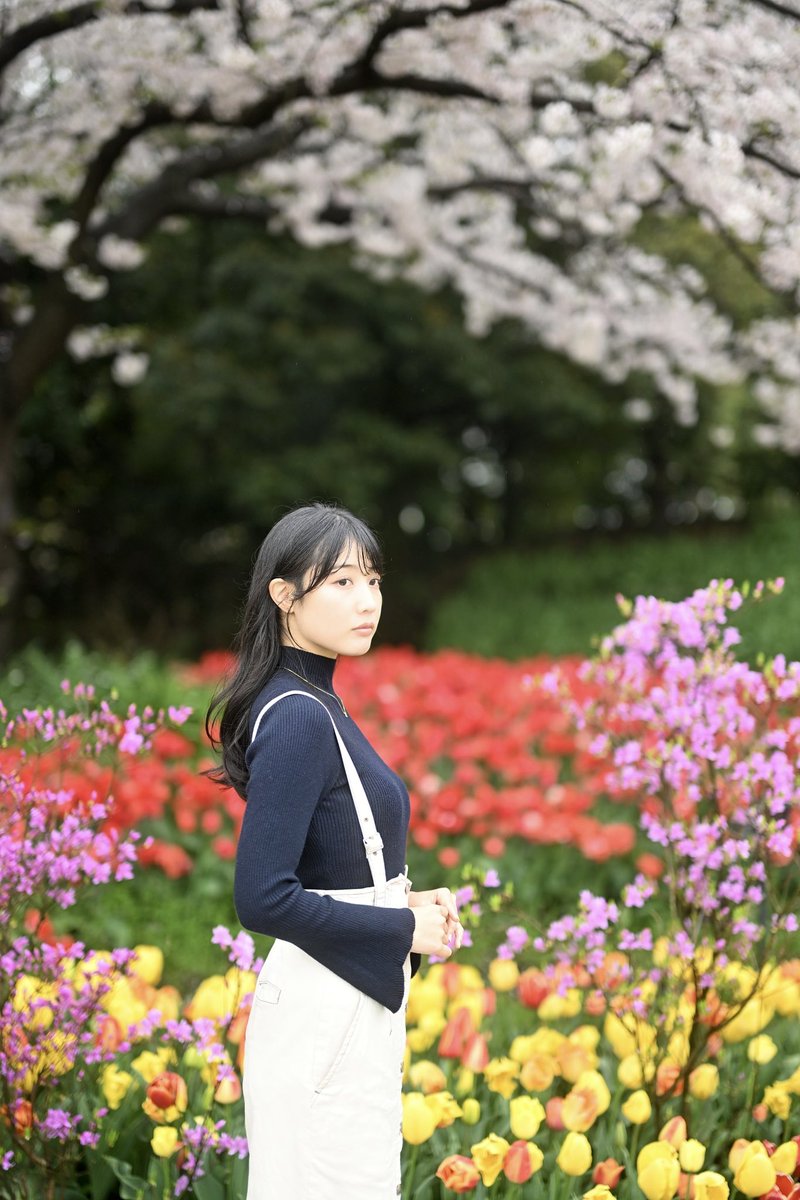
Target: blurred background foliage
[514,491]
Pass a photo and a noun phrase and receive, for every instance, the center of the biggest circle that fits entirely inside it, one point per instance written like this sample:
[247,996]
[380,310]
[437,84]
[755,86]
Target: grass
[556,600]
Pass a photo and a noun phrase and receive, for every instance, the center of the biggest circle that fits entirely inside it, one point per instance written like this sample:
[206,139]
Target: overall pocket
[340,1006]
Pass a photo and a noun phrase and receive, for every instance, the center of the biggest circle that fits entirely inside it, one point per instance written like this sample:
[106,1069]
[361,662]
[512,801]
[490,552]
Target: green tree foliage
[280,375]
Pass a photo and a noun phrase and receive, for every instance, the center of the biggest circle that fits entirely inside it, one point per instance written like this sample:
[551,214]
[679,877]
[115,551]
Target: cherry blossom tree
[509,148]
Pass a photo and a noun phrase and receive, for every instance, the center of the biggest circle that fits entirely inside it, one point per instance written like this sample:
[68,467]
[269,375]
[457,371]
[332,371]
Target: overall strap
[373,842]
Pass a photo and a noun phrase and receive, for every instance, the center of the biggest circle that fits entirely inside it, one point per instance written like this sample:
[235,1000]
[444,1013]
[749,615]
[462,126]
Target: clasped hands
[437,922]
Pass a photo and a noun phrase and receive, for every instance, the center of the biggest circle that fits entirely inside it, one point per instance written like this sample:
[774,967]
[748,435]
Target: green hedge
[556,600]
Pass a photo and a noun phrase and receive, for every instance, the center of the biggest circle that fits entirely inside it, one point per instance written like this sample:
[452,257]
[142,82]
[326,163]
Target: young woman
[320,867]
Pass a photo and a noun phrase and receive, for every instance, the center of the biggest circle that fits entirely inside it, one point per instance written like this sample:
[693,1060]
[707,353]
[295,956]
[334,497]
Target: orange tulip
[455,1033]
[167,1089]
[579,1110]
[552,1111]
[489,1001]
[674,1132]
[109,1032]
[23,1116]
[476,1052]
[608,1172]
[668,1079]
[686,1186]
[451,978]
[228,1090]
[595,1004]
[458,1173]
[521,1160]
[533,987]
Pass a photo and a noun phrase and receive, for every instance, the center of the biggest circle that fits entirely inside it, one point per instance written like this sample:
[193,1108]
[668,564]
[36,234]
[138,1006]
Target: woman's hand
[430,930]
[438,900]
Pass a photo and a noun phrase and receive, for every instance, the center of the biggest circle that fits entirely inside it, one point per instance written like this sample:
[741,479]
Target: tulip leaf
[208,1188]
[131,1187]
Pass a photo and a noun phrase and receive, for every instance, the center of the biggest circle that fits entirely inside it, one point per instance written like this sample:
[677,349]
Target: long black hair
[309,538]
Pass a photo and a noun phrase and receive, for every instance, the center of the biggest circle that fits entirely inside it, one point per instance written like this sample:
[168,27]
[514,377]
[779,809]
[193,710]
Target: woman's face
[339,616]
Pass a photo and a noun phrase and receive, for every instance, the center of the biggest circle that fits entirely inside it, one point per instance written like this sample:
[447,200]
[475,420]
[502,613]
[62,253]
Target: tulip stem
[412,1166]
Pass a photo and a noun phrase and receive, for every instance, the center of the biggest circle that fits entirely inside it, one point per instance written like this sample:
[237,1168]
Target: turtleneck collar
[316,668]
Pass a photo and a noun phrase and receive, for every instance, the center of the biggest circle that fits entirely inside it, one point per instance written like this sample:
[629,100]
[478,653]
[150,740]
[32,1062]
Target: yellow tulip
[575,1155]
[164,1140]
[419,1119]
[122,1002]
[213,999]
[27,989]
[503,974]
[546,1040]
[751,1018]
[425,995]
[710,1185]
[501,1076]
[784,1158]
[778,1101]
[629,1071]
[703,1081]
[755,1173]
[621,1033]
[655,1150]
[522,1047]
[150,1064]
[637,1108]
[444,1106]
[115,1084]
[761,1049]
[736,1152]
[692,1154]
[659,1178]
[488,1156]
[574,1059]
[471,1111]
[555,1007]
[600,1191]
[595,1082]
[419,1040]
[464,1082]
[426,1076]
[586,1035]
[538,1072]
[527,1115]
[148,964]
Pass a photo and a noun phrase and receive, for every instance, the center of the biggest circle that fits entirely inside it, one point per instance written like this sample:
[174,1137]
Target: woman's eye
[343,580]
[376,581]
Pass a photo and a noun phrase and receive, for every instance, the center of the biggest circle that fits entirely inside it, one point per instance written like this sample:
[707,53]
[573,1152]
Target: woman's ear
[280,591]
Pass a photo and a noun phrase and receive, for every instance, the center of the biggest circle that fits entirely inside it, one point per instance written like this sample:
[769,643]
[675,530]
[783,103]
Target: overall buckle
[373,843]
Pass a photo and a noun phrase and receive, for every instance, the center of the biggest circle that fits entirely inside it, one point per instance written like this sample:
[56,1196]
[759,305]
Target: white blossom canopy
[473,142]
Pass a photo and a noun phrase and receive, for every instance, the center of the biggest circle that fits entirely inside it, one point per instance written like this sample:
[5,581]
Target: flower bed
[643,1043]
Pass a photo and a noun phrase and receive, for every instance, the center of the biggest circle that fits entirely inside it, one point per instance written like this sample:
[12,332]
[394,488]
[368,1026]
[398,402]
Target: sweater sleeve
[364,944]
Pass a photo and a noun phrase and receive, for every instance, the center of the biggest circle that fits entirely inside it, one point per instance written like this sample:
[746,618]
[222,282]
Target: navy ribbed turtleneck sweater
[300,830]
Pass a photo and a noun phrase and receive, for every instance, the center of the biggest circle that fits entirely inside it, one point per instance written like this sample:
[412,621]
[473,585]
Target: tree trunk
[25,356]
[9,558]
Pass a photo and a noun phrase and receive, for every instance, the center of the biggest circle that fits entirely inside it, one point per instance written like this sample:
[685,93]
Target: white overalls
[323,1061]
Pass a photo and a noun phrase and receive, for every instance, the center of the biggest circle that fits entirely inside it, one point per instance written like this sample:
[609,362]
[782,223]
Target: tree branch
[50,25]
[196,204]
[783,10]
[145,207]
[752,151]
